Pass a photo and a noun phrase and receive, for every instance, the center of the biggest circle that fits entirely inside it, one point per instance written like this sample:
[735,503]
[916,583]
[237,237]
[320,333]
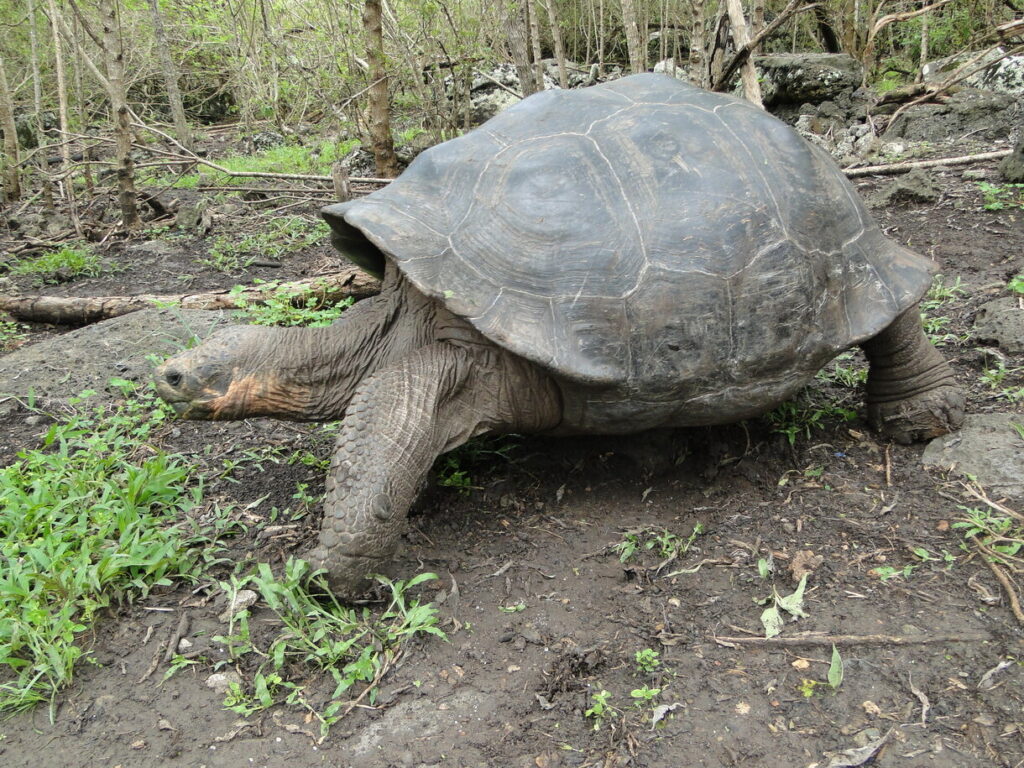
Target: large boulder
[985,115]
[86,358]
[1002,75]
[988,447]
[802,78]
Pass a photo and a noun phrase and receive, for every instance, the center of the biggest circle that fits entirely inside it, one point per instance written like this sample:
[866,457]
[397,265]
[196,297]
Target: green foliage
[661,541]
[936,325]
[835,669]
[600,708]
[999,535]
[11,334]
[808,411]
[842,372]
[281,237]
[644,695]
[355,646]
[284,305]
[647,660]
[1016,284]
[85,520]
[454,469]
[999,197]
[68,261]
[1000,380]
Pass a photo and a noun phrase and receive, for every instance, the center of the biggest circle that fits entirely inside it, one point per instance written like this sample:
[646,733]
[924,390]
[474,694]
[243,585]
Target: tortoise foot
[920,417]
[346,575]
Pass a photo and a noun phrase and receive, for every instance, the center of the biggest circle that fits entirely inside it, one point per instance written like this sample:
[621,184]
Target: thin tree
[556,37]
[381,142]
[170,76]
[634,41]
[538,65]
[12,184]
[748,75]
[517,27]
[62,100]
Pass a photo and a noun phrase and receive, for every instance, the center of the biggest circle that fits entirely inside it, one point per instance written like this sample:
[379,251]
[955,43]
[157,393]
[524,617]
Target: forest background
[115,88]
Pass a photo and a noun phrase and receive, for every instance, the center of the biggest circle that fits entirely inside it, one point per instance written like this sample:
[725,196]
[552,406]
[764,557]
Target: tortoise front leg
[912,393]
[397,423]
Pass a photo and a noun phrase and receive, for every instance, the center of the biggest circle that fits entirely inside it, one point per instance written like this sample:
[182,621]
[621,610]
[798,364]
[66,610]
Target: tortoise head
[239,372]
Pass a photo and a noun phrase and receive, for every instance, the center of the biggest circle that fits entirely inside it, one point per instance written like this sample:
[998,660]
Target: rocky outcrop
[801,78]
[1004,75]
[982,114]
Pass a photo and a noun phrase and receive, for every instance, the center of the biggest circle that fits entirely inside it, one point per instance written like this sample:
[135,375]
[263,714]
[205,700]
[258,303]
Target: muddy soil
[541,615]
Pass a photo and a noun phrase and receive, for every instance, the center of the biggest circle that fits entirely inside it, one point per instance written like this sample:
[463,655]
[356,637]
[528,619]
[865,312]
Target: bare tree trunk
[698,45]
[517,34]
[756,22]
[556,36]
[751,88]
[538,65]
[635,43]
[113,55]
[170,75]
[380,103]
[62,100]
[37,103]
[11,181]
[924,48]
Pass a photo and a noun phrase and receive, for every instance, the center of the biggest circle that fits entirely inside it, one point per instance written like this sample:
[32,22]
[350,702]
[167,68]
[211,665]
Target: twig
[179,632]
[498,83]
[744,52]
[1011,593]
[830,640]
[870,170]
[978,493]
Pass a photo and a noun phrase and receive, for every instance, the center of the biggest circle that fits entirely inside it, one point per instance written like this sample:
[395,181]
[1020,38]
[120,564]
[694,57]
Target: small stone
[184,645]
[867,736]
[165,725]
[138,744]
[221,681]
[243,599]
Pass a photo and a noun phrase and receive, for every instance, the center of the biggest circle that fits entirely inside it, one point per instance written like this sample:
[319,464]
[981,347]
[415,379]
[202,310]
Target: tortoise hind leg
[912,393]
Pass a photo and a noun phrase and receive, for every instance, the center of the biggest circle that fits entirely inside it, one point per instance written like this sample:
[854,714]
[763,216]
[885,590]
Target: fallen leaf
[871,708]
[853,758]
[742,708]
[801,664]
[804,563]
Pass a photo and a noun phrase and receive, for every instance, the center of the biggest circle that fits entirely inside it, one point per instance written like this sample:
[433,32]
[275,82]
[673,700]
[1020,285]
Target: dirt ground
[533,536]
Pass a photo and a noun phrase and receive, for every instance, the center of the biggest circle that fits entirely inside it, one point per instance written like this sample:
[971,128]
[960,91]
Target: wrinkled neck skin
[329,363]
[301,374]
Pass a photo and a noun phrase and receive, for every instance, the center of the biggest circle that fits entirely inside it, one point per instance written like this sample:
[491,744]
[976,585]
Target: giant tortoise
[633,255]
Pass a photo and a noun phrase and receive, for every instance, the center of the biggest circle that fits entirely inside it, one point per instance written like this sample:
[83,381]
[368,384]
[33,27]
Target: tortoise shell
[653,242]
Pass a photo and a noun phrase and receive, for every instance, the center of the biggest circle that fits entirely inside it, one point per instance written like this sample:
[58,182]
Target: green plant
[647,661]
[11,334]
[66,262]
[887,572]
[996,376]
[840,371]
[644,695]
[600,708]
[806,412]
[356,647]
[1016,284]
[279,238]
[454,469]
[936,325]
[661,541]
[1001,196]
[86,520]
[998,535]
[285,305]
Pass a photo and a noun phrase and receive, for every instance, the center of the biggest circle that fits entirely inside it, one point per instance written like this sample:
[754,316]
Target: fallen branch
[869,170]
[74,310]
[1011,593]
[828,641]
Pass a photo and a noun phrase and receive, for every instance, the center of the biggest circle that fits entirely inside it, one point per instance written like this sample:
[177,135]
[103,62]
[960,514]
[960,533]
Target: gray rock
[983,114]
[1002,76]
[87,358]
[1012,166]
[671,67]
[798,78]
[1001,322]
[916,186]
[988,447]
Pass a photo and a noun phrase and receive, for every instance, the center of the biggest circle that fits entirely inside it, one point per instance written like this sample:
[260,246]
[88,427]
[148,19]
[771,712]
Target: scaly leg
[397,423]
[912,393]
